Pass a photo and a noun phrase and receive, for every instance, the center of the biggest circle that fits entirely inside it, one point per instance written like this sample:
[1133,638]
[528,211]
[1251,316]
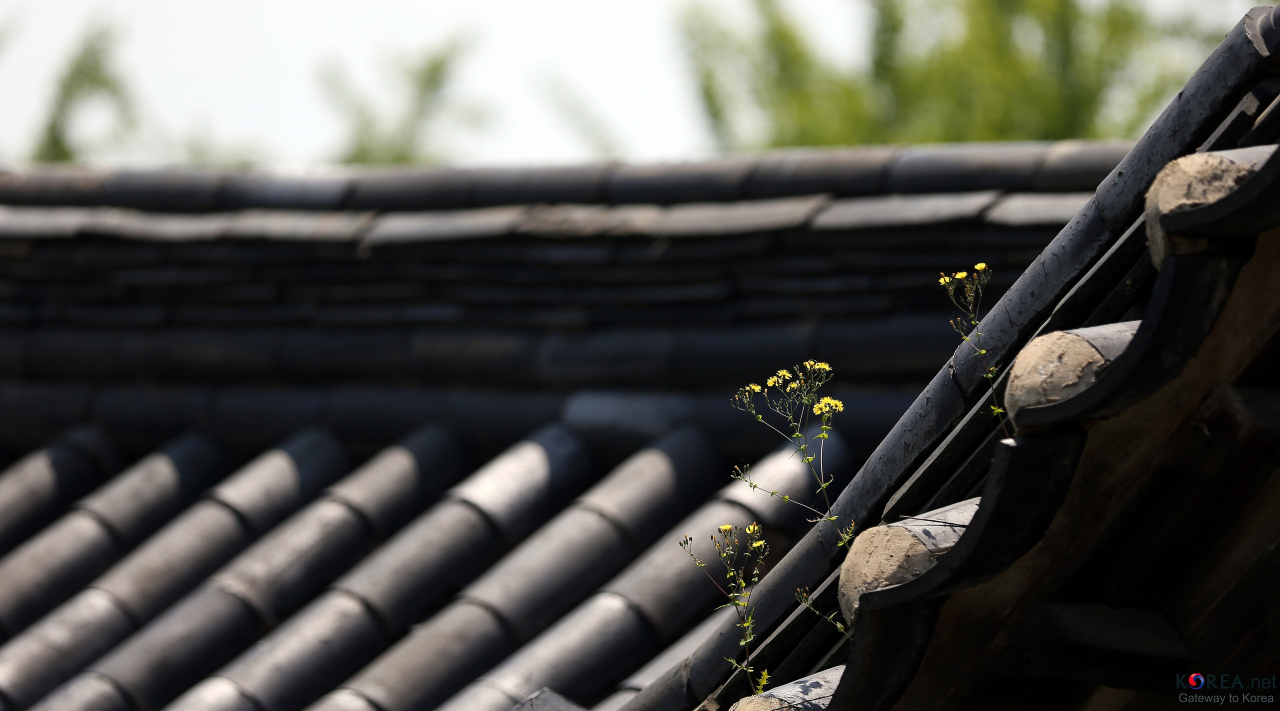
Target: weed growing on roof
[741,553]
[965,291]
[794,395]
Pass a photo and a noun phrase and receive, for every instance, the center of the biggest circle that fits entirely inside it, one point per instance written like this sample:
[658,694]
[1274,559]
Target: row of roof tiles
[443,550]
[818,213]
[902,348]
[1044,167]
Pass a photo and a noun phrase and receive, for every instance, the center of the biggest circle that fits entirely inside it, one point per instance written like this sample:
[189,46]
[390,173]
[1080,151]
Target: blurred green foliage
[397,137]
[90,77]
[943,70]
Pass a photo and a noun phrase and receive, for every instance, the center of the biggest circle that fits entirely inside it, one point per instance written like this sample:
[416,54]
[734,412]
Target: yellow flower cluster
[754,388]
[828,405]
[726,528]
[814,365]
[944,279]
[792,386]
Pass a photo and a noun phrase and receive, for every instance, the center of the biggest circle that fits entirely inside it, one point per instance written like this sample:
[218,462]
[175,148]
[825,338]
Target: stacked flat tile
[191,361]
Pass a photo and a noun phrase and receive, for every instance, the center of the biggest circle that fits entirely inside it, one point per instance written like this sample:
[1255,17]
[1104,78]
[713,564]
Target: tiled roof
[400,435]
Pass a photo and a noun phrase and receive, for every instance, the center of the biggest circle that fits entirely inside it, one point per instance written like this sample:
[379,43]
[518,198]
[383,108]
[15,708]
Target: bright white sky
[244,72]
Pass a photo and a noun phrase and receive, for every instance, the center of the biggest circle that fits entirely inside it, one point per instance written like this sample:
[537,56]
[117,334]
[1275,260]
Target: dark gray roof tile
[522,186]
[902,347]
[745,354]
[170,564]
[674,654]
[903,211]
[346,700]
[608,358]
[465,636]
[657,485]
[547,699]
[180,647]
[400,481]
[157,227]
[174,190]
[285,192]
[295,225]
[589,220]
[401,228]
[145,496]
[671,593]
[419,569]
[1079,166]
[410,189]
[554,569]
[59,645]
[216,692]
[44,222]
[707,181]
[289,565]
[515,492]
[88,692]
[584,654]
[50,567]
[713,219]
[841,172]
[468,355]
[966,166]
[485,696]
[281,480]
[564,561]
[325,642]
[37,488]
[53,186]
[1035,209]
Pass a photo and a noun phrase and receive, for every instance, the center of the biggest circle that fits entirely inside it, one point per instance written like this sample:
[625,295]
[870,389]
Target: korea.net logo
[1226,688]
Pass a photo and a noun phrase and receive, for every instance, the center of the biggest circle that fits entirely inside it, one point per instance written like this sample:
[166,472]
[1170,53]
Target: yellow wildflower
[826,405]
[753,529]
[793,386]
[821,366]
[961,275]
[980,266]
[757,544]
[726,528]
[944,280]
[753,388]
[772,381]
[784,374]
